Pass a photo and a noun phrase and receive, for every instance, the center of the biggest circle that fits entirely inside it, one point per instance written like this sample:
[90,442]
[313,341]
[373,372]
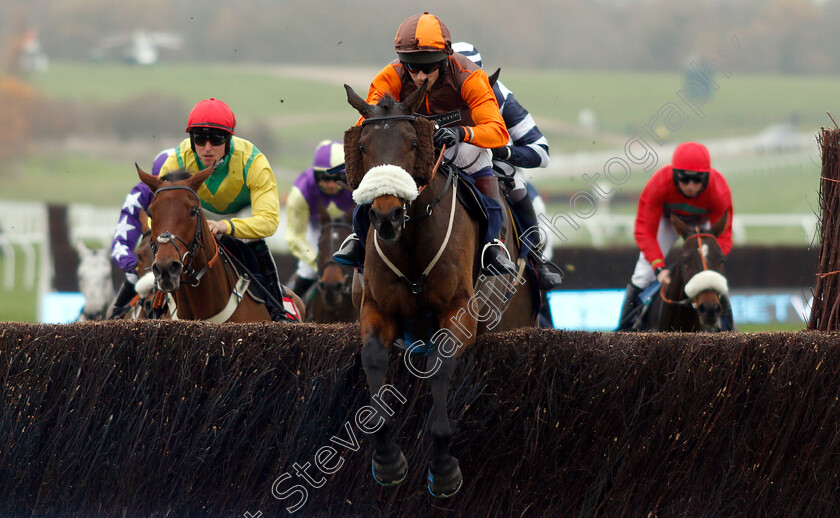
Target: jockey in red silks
[460,95]
[697,194]
[316,186]
[126,236]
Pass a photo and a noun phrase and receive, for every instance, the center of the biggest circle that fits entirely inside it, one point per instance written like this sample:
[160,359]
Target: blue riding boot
[494,256]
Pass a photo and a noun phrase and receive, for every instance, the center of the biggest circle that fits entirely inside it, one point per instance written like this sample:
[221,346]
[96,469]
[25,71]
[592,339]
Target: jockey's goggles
[426,68]
[691,177]
[337,174]
[215,138]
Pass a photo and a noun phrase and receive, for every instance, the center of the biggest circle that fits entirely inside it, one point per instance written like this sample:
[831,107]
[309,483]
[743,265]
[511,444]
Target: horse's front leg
[378,333]
[457,332]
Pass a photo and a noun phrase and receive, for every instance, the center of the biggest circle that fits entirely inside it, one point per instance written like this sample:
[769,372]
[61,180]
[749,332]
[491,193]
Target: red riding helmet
[212,113]
[423,38]
[691,156]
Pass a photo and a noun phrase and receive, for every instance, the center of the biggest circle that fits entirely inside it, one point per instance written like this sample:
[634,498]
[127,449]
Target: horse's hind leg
[389,464]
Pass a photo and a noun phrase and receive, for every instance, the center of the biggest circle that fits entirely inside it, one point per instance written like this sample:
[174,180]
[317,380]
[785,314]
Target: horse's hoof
[392,473]
[445,485]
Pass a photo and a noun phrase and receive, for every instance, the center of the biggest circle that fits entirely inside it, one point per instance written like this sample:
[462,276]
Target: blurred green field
[18,304]
[300,112]
[301,106]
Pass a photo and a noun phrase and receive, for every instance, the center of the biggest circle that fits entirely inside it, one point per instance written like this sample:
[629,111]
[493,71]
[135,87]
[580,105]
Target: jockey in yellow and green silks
[240,198]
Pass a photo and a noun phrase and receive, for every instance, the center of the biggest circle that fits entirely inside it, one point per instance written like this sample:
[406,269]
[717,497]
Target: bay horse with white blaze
[695,298]
[189,263]
[421,265]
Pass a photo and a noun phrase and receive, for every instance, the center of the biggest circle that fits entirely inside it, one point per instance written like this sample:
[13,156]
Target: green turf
[18,304]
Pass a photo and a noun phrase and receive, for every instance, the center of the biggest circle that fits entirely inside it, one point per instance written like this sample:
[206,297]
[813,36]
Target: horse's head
[701,268]
[177,223]
[388,158]
[333,278]
[94,277]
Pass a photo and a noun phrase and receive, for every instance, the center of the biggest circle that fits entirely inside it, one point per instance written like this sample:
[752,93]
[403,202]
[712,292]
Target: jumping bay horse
[332,298]
[188,263]
[692,301]
[421,265]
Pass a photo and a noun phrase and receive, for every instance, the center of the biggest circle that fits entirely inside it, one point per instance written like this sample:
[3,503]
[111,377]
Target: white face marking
[705,251]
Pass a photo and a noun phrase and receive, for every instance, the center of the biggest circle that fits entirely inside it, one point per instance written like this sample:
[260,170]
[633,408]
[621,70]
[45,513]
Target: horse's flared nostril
[375,218]
[387,224]
[175,269]
[710,308]
[397,216]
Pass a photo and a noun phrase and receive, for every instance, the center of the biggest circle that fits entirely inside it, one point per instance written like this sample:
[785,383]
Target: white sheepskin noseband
[706,280]
[385,179]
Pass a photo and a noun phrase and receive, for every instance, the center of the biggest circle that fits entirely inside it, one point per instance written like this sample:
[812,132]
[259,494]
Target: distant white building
[32,57]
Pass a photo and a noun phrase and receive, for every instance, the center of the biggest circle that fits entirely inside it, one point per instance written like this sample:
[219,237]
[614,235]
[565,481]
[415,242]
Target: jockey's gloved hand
[448,136]
[502,153]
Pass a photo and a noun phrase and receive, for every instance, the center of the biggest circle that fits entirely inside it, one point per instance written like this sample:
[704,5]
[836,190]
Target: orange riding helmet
[423,38]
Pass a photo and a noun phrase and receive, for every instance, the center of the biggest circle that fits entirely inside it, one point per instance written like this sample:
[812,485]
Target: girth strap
[235,298]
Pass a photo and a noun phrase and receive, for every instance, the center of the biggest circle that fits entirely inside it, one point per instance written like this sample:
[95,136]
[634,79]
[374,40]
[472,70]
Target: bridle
[451,183]
[689,301]
[188,273]
[347,279]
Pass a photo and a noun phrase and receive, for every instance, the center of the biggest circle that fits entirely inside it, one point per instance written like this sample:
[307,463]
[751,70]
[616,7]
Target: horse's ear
[424,157]
[357,102]
[152,181]
[198,178]
[494,77]
[680,226]
[144,221]
[719,226]
[81,248]
[353,157]
[413,101]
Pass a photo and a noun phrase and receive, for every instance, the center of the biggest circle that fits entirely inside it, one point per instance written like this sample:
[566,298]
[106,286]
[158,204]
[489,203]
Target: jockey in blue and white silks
[526,149]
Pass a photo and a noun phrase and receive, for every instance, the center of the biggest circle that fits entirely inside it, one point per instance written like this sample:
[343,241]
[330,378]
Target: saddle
[244,262]
[476,204]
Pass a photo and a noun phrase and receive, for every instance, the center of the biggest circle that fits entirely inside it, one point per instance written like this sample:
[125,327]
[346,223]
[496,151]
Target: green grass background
[300,112]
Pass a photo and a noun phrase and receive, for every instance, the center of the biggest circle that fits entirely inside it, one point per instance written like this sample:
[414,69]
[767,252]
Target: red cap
[212,113]
[692,156]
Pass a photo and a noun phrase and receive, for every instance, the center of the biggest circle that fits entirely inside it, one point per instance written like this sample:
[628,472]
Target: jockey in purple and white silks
[127,235]
[315,187]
